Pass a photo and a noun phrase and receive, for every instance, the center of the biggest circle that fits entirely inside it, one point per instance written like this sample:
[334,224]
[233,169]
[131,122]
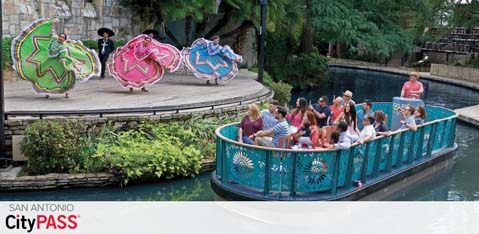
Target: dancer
[209,60]
[105,47]
[152,33]
[51,62]
[142,62]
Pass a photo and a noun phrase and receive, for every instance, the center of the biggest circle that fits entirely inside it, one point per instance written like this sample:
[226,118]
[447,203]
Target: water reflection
[189,189]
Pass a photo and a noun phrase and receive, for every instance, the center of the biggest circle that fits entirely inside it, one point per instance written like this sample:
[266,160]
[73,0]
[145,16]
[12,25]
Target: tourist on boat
[350,117]
[412,88]
[105,47]
[348,97]
[368,132]
[279,130]
[316,132]
[380,125]
[296,115]
[304,134]
[50,61]
[208,60]
[336,109]
[367,105]
[268,115]
[334,139]
[250,124]
[321,111]
[408,122]
[345,140]
[420,115]
[143,61]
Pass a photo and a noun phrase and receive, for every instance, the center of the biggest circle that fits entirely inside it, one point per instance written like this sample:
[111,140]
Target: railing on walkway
[265,173]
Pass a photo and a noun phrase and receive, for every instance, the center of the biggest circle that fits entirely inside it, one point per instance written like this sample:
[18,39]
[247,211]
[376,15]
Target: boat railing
[264,172]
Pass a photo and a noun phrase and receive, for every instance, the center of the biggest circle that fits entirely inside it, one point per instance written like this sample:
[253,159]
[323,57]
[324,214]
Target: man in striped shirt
[280,129]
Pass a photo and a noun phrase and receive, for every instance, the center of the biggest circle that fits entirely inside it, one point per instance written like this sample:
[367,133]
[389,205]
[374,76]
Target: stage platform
[173,91]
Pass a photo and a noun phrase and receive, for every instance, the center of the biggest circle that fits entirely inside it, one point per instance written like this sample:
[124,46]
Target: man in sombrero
[105,47]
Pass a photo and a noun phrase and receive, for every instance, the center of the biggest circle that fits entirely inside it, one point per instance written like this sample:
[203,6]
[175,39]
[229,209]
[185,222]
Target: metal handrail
[404,156]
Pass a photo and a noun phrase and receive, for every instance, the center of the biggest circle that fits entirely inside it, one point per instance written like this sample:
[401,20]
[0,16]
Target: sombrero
[148,31]
[107,30]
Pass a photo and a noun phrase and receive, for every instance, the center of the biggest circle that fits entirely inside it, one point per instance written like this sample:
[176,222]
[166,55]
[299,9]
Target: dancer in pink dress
[142,61]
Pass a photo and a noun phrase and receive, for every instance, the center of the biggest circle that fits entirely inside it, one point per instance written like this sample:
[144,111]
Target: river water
[459,183]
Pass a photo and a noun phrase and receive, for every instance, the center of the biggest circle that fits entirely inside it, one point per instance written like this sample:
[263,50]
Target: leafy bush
[306,70]
[6,52]
[153,150]
[54,146]
[282,92]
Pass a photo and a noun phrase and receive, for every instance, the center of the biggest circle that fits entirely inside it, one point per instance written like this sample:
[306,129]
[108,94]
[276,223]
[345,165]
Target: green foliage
[151,151]
[267,79]
[282,92]
[306,70]
[54,146]
[6,52]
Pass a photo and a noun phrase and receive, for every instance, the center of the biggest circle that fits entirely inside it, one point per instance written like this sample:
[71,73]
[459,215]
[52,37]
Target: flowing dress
[137,64]
[208,61]
[37,57]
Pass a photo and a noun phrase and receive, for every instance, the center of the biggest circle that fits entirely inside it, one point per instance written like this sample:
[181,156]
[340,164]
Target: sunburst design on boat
[315,171]
[242,164]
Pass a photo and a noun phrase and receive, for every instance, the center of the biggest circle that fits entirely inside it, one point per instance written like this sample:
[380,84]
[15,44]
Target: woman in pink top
[412,88]
[296,115]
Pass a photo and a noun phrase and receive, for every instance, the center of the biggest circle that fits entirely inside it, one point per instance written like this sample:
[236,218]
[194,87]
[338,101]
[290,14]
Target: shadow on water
[185,189]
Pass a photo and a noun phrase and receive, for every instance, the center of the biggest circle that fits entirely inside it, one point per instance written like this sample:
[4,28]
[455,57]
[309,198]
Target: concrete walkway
[172,90]
[469,114]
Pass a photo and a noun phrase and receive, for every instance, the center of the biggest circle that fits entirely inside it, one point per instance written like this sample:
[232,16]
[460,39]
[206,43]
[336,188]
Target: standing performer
[142,62]
[51,62]
[105,47]
[209,60]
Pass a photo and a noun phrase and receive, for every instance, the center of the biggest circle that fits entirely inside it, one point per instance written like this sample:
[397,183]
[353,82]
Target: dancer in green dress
[51,62]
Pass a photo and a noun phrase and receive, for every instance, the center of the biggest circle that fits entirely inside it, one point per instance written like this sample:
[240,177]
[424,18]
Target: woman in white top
[350,117]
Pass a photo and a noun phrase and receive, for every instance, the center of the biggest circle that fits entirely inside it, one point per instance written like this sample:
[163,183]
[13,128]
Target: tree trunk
[307,40]
[340,47]
[307,34]
[221,23]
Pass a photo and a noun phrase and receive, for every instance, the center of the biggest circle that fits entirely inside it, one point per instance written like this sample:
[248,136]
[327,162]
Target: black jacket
[108,49]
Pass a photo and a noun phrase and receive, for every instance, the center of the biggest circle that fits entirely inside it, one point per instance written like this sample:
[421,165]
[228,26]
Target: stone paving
[469,114]
[172,90]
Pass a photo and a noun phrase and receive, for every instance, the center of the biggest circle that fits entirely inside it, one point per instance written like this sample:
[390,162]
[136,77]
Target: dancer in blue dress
[209,60]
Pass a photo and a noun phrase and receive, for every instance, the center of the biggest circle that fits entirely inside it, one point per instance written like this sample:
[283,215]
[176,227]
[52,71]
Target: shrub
[152,150]
[54,146]
[306,70]
[282,92]
[6,52]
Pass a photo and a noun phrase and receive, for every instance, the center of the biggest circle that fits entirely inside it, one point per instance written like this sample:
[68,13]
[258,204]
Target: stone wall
[460,73]
[15,126]
[56,181]
[78,18]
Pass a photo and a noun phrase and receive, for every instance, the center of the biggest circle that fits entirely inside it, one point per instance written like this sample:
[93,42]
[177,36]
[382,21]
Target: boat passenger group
[324,126]
[52,62]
